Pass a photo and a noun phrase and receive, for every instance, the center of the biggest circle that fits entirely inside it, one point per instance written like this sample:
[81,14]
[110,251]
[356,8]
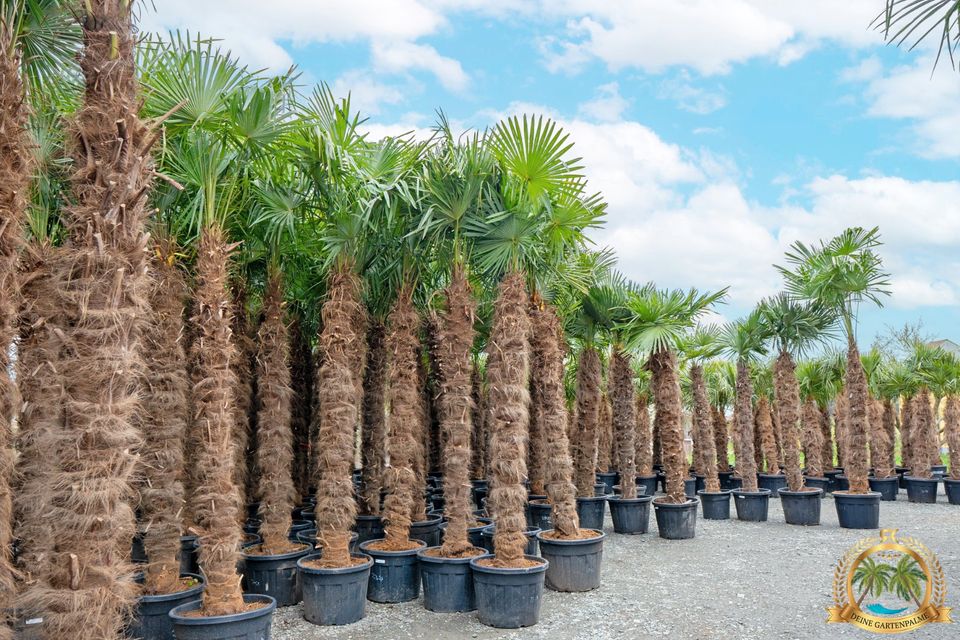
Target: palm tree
[872,577]
[813,380]
[721,384]
[840,275]
[700,347]
[911,22]
[880,411]
[907,580]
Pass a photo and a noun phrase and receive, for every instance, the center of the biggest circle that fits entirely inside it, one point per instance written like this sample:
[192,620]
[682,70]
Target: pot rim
[686,504]
[811,491]
[572,543]
[279,556]
[203,621]
[423,557]
[621,499]
[759,493]
[364,546]
[176,595]
[543,563]
[334,570]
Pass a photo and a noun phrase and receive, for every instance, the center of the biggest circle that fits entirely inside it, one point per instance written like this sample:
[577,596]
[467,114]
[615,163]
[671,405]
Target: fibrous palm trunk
[855,457]
[337,403]
[812,439]
[454,345]
[507,373]
[881,447]
[840,426]
[924,447]
[951,420]
[244,468]
[720,438]
[585,428]
[827,455]
[703,427]
[764,425]
[405,400]
[655,442]
[624,421]
[536,452]
[164,418]
[644,450]
[604,434]
[102,287]
[546,344]
[906,430]
[276,491]
[374,418]
[216,497]
[788,410]
[301,382]
[746,464]
[422,429]
[480,436]
[669,406]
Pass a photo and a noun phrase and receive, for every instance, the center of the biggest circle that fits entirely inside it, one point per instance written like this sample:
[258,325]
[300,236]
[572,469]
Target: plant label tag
[380,561]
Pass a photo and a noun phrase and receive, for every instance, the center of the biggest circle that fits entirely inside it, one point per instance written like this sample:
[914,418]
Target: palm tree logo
[888,584]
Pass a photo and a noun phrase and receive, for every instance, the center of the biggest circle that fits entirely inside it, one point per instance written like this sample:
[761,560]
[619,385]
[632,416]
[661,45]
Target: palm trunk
[788,409]
[585,428]
[480,436]
[855,458]
[827,456]
[301,377]
[454,346]
[703,427]
[337,403]
[546,343]
[951,420]
[669,406]
[604,434]
[840,426]
[881,447]
[536,451]
[624,421]
[923,447]
[276,491]
[746,465]
[374,419]
[245,405]
[720,438]
[656,443]
[813,439]
[764,424]
[216,497]
[644,450]
[164,425]
[906,430]
[422,431]
[508,375]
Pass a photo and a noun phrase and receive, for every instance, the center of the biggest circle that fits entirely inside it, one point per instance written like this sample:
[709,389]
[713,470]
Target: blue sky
[719,131]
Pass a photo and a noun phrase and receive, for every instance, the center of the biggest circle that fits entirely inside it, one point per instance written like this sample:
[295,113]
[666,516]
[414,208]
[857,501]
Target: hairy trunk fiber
[588,413]
[855,458]
[276,491]
[764,423]
[906,430]
[454,344]
[624,420]
[703,428]
[951,421]
[216,496]
[337,403]
[422,429]
[244,472]
[746,464]
[405,399]
[164,418]
[546,343]
[102,290]
[840,426]
[827,457]
[644,450]
[301,382]
[757,439]
[669,406]
[881,447]
[507,372]
[536,450]
[434,439]
[656,444]
[924,446]
[604,434]
[720,438]
[812,439]
[480,436]
[788,409]
[374,418]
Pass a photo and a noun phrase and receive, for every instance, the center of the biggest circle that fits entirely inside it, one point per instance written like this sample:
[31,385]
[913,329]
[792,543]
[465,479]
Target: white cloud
[367,94]
[402,57]
[688,97]
[608,106]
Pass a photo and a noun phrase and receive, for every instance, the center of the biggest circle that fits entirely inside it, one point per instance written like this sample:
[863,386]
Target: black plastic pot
[508,598]
[475,534]
[590,511]
[480,484]
[334,596]
[676,521]
[479,495]
[574,565]
[952,489]
[715,506]
[300,525]
[395,575]
[752,506]
[725,477]
[831,477]
[189,548]
[248,625]
[888,488]
[427,530]
[801,507]
[138,554]
[647,485]
[841,483]
[630,516]
[772,481]
[253,511]
[735,482]
[437,501]
[309,537]
[252,525]
[690,487]
[857,510]
[486,535]
[938,469]
[599,489]
[922,490]
[152,617]
[608,478]
[540,514]
[447,582]
[662,480]
[701,484]
[368,528]
[817,483]
[901,472]
[274,575]
[249,539]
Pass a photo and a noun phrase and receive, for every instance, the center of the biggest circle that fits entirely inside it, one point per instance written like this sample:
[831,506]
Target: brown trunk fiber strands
[855,458]
[604,434]
[546,344]
[951,421]
[906,430]
[479,426]
[764,422]
[507,373]
[584,437]
[746,464]
[840,426]
[244,404]
[827,458]
[624,421]
[536,454]
[924,447]
[669,404]
[881,447]
[656,443]
[454,343]
[216,497]
[164,419]
[405,398]
[374,418]
[813,439]
[337,414]
[276,493]
[644,450]
[720,438]
[788,409]
[421,433]
[301,376]
[703,427]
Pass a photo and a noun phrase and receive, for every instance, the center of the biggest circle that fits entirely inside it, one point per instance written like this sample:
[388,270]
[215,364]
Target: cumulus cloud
[403,57]
[608,106]
[690,97]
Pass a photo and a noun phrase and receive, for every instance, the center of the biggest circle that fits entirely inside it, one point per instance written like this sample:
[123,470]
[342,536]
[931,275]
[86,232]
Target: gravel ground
[734,580]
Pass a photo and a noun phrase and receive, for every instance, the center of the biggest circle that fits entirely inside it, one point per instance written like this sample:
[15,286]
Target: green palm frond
[46,36]
[911,22]
[746,338]
[658,318]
